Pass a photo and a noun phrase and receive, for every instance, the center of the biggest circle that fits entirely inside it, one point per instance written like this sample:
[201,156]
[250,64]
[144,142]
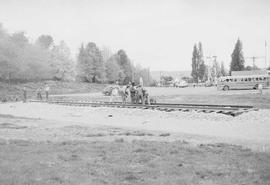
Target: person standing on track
[144,96]
[260,87]
[24,94]
[39,97]
[132,91]
[140,94]
[47,89]
[127,93]
[122,93]
[114,94]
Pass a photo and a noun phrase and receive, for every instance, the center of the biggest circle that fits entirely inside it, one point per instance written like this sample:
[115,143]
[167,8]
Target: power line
[254,59]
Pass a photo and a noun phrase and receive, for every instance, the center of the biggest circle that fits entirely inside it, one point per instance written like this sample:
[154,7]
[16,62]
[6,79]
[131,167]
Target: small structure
[252,72]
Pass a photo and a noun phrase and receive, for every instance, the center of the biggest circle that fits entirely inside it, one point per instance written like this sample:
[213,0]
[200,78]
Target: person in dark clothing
[24,94]
[47,89]
[139,94]
[39,97]
[133,93]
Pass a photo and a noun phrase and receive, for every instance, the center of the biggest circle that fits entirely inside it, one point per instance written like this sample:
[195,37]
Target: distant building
[175,74]
[253,72]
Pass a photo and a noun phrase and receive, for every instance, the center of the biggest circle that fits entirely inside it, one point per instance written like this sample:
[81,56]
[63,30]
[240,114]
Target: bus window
[227,80]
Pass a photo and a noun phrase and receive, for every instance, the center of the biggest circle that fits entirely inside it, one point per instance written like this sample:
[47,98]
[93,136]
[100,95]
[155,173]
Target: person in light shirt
[260,87]
[47,89]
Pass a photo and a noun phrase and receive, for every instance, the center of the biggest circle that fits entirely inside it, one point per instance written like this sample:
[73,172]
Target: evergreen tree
[113,70]
[83,66]
[45,41]
[202,66]
[126,66]
[98,68]
[106,53]
[194,65]
[238,61]
[90,64]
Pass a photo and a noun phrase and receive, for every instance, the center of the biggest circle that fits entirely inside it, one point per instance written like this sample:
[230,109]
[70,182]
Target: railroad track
[232,110]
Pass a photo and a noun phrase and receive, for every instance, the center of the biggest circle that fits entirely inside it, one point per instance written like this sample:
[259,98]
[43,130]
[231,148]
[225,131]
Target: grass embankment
[210,95]
[14,92]
[256,100]
[139,162]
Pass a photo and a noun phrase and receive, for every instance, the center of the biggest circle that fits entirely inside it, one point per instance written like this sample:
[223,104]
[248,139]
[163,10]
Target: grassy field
[15,91]
[138,162]
[200,95]
[203,95]
[210,95]
[120,159]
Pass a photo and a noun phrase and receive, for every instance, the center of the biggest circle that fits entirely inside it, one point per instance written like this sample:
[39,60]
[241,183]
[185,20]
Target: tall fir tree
[113,71]
[97,72]
[238,60]
[82,65]
[194,65]
[126,66]
[201,64]
[90,64]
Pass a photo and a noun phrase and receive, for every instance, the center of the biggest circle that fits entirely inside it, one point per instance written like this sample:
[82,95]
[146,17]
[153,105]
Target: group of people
[39,93]
[136,94]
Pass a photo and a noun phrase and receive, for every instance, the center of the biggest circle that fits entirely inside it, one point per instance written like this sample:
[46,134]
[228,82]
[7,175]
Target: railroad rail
[232,110]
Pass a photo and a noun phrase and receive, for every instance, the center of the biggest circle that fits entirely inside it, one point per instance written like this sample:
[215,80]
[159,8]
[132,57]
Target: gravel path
[251,126]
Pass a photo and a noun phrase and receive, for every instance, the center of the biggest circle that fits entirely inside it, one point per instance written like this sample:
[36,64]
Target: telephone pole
[265,45]
[254,59]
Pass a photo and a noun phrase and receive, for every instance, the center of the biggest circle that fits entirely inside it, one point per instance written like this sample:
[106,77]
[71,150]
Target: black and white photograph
[134,92]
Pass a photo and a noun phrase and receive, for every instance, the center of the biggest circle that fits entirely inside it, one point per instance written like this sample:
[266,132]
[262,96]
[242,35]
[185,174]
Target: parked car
[181,84]
[108,90]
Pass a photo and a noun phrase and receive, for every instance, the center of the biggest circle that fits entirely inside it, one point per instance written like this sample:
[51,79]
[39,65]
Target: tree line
[22,60]
[202,72]
[101,65]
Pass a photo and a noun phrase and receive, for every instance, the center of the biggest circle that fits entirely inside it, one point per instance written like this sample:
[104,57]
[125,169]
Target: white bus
[243,82]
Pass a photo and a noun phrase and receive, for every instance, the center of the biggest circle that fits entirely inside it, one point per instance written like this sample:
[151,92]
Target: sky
[159,34]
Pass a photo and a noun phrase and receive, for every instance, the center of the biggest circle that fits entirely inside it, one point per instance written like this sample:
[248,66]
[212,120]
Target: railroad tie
[232,110]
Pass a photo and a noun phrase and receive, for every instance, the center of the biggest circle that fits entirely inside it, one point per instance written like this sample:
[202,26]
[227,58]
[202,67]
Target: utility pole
[253,60]
[265,45]
[148,75]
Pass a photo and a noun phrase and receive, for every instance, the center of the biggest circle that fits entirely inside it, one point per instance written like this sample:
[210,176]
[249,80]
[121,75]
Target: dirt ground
[202,95]
[210,95]
[44,144]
